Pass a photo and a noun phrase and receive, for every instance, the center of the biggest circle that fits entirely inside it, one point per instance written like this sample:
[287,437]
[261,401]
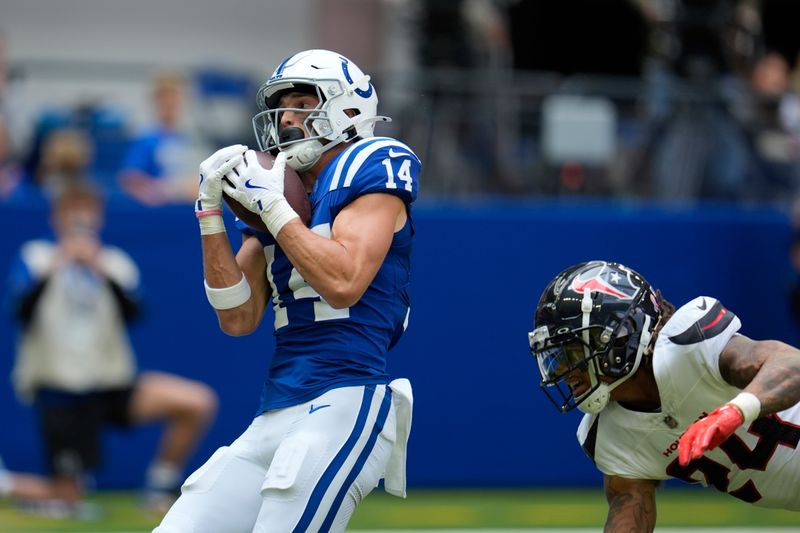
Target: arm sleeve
[129,304]
[26,303]
[123,278]
[27,280]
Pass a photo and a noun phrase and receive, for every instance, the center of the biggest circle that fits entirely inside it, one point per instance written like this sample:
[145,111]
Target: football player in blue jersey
[330,424]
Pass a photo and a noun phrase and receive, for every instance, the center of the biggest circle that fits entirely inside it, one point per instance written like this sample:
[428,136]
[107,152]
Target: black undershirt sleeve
[27,304]
[130,307]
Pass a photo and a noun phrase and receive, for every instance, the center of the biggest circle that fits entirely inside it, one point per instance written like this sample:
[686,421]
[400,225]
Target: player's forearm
[219,264]
[325,264]
[221,270]
[777,383]
[239,321]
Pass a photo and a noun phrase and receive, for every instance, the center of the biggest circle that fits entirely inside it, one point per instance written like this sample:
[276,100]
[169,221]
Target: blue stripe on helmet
[279,71]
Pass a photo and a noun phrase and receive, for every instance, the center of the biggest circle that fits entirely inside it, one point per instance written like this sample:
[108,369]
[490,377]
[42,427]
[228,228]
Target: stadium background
[491,231]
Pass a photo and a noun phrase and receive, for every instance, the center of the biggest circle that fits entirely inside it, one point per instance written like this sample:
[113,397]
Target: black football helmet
[595,317]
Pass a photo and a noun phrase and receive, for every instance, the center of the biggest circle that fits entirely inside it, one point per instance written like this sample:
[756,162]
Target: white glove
[261,190]
[211,172]
[208,207]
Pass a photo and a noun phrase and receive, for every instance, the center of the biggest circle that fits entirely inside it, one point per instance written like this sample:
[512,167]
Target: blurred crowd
[695,99]
[93,143]
[668,100]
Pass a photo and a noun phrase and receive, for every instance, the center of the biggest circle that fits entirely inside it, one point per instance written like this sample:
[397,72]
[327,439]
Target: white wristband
[748,404]
[228,297]
[277,215]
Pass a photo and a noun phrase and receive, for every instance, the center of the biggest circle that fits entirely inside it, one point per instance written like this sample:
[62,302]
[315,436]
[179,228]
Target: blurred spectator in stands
[575,46]
[794,290]
[3,65]
[73,298]
[783,41]
[465,51]
[490,147]
[107,129]
[10,171]
[62,159]
[8,109]
[775,128]
[104,132]
[700,144]
[64,163]
[779,21]
[160,167]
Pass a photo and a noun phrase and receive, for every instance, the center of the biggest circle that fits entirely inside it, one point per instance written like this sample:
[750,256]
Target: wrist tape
[277,214]
[228,297]
[748,404]
[210,221]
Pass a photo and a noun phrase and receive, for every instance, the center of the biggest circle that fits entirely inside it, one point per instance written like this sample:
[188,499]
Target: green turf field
[458,509]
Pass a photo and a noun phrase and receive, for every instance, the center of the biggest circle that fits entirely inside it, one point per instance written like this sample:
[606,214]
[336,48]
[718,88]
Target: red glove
[709,432]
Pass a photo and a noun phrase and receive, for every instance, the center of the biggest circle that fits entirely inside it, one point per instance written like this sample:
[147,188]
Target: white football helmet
[347,109]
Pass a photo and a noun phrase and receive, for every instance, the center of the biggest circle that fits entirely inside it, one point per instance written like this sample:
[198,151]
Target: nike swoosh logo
[251,186]
[317,408]
[702,305]
[392,153]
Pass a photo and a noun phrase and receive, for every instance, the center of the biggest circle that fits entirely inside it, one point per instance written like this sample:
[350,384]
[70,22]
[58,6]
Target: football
[293,190]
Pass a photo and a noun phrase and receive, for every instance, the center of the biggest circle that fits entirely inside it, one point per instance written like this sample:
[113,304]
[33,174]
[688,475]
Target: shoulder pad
[698,320]
[377,164]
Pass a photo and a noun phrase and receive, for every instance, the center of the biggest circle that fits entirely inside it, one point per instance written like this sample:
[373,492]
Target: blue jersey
[318,347]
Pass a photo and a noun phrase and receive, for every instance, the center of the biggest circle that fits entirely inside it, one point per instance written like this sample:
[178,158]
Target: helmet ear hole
[616,359]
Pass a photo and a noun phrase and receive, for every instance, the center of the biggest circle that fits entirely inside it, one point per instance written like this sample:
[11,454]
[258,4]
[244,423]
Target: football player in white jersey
[667,393]
[330,423]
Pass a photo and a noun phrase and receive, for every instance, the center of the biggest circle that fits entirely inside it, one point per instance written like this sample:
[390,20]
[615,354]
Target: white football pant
[303,468]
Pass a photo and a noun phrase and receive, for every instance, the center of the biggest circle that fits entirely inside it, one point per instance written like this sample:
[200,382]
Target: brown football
[293,190]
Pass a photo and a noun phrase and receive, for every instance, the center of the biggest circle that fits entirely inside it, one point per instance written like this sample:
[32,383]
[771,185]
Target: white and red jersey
[759,464]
